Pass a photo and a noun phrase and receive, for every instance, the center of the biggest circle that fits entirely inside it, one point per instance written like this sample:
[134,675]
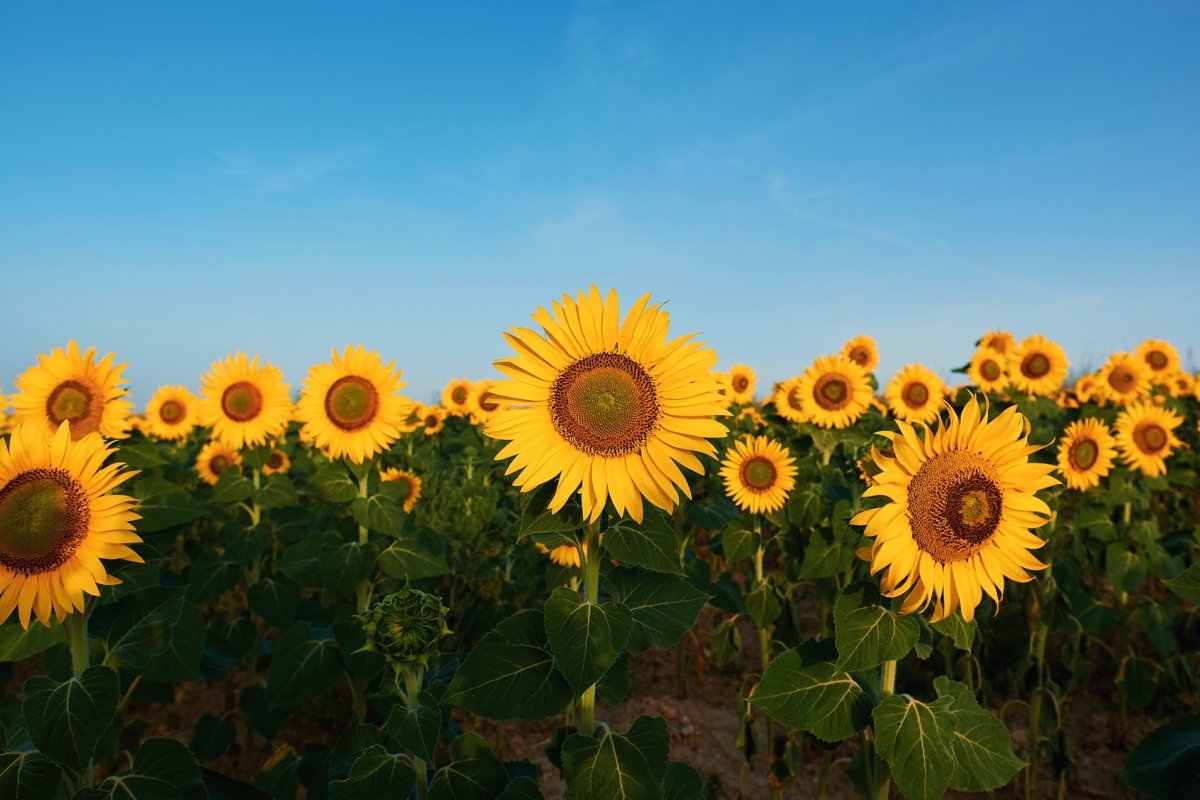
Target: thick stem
[77,641]
[883,775]
[591,594]
[362,494]
[363,594]
[412,691]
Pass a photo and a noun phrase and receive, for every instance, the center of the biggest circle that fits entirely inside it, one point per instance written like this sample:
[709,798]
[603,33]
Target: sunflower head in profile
[409,484]
[751,417]
[1161,357]
[786,400]
[741,384]
[1086,453]
[961,503]
[352,406]
[456,397]
[1086,389]
[73,387]
[1124,378]
[987,371]
[915,394]
[610,408]
[1037,366]
[1145,434]
[213,459]
[245,404]
[58,521]
[863,351]
[998,341]
[171,413]
[834,392]
[431,419]
[484,404]
[277,463]
[758,474]
[565,555]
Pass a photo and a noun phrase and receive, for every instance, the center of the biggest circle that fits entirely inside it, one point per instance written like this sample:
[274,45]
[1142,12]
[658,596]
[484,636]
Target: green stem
[1035,708]
[412,691]
[77,641]
[591,594]
[823,776]
[363,594]
[883,775]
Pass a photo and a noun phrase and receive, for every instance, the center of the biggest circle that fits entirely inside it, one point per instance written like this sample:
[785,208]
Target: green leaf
[613,767]
[1138,679]
[739,542]
[650,736]
[28,776]
[983,754]
[1186,584]
[275,600]
[1166,764]
[301,562]
[414,555]
[764,603]
[333,483]
[66,720]
[804,506]
[163,769]
[212,737]
[683,783]
[725,640]
[416,729]
[823,559]
[138,628]
[664,607]
[343,568]
[18,644]
[866,636]
[301,667]
[912,737]
[586,637]
[817,698]
[613,688]
[277,491]
[140,455]
[961,632]
[652,544]
[474,772]
[523,788]
[537,518]
[510,673]
[163,505]
[380,512]
[231,487]
[378,774]
[1126,568]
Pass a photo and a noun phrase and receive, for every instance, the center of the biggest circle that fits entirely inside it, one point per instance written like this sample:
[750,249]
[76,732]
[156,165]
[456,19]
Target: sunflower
[834,392]
[1181,384]
[751,415]
[1037,366]
[1145,437]
[70,386]
[1001,342]
[610,408]
[171,413]
[565,555]
[406,479]
[213,459]
[1086,453]
[352,406]
[862,351]
[244,403]
[1161,357]
[432,419]
[961,506]
[1124,378]
[484,404]
[915,394]
[57,521]
[277,463]
[456,397]
[758,473]
[986,370]
[741,384]
[1087,390]
[723,388]
[787,401]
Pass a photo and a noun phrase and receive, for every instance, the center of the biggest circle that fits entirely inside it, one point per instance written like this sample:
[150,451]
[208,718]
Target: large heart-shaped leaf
[586,637]
[66,720]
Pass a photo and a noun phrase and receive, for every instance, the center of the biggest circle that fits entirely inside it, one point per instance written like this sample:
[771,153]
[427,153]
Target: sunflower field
[606,572]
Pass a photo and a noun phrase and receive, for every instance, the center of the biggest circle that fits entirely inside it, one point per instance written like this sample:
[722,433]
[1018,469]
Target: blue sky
[181,180]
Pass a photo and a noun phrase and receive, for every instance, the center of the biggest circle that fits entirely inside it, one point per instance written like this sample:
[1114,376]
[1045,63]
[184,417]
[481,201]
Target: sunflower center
[351,402]
[1156,359]
[1083,454]
[170,411]
[832,392]
[1121,379]
[218,464]
[604,404]
[459,395]
[758,474]
[860,356]
[793,399]
[242,401]
[916,395]
[955,503]
[1035,365]
[44,515]
[74,402]
[404,488]
[432,421]
[487,403]
[275,460]
[990,370]
[740,383]
[1150,437]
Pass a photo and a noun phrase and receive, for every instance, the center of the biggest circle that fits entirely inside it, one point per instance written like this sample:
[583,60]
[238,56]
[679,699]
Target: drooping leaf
[961,632]
[818,698]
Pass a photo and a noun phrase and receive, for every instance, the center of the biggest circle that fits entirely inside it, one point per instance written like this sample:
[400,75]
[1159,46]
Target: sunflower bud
[405,627]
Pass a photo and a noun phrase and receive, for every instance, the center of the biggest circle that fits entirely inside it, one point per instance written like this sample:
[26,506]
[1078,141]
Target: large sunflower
[741,384]
[351,405]
[998,341]
[610,408]
[57,521]
[1145,436]
[862,351]
[171,413]
[70,386]
[986,370]
[406,479]
[758,474]
[961,506]
[1124,378]
[1037,366]
[834,392]
[1161,357]
[915,394]
[1086,453]
[213,459]
[246,404]
[456,397]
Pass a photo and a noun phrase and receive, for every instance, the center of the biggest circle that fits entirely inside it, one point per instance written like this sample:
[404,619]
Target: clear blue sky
[179,180]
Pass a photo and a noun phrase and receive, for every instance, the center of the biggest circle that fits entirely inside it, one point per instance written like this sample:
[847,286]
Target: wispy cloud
[589,211]
[291,172]
[792,203]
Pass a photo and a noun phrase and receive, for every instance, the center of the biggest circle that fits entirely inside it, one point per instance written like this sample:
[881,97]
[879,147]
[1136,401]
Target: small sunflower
[741,384]
[862,351]
[961,503]
[58,521]
[171,413]
[245,404]
[834,392]
[787,401]
[1181,384]
[1145,437]
[915,394]
[565,555]
[1124,378]
[1086,453]
[758,474]
[1001,342]
[484,404]
[277,463]
[70,386]
[406,479]
[352,405]
[724,390]
[1087,390]
[751,415]
[1161,357]
[432,419]
[986,370]
[213,459]
[456,397]
[1037,366]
